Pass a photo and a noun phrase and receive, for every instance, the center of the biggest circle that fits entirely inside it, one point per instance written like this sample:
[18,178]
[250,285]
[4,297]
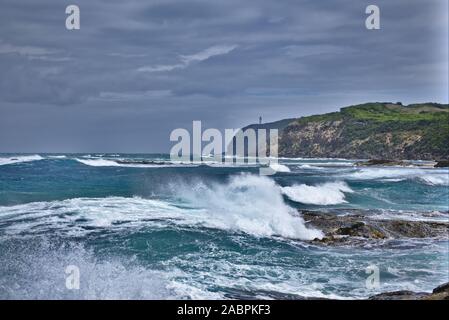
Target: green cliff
[371,130]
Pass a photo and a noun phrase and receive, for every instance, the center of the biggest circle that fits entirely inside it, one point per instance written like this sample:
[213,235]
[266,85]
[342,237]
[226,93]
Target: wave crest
[37,271]
[277,167]
[19,159]
[324,194]
[435,177]
[249,204]
[130,164]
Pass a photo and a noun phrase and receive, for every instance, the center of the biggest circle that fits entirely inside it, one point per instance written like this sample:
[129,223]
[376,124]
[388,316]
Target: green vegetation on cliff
[371,130]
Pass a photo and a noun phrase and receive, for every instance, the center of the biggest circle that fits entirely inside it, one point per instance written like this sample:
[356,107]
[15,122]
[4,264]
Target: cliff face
[372,130]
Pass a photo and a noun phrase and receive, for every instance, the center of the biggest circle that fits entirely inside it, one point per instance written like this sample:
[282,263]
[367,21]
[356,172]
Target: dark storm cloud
[138,69]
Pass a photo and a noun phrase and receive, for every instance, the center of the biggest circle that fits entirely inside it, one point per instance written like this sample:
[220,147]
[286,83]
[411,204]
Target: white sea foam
[435,216]
[20,159]
[323,194]
[277,167]
[112,163]
[392,179]
[249,204]
[36,271]
[435,180]
[322,164]
[164,164]
[85,212]
[98,163]
[427,176]
[219,164]
[310,167]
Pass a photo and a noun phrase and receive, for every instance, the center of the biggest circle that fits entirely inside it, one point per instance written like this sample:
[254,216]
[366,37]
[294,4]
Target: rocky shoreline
[356,227]
[439,293]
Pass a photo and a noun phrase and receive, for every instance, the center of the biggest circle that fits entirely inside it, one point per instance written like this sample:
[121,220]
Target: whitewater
[145,227]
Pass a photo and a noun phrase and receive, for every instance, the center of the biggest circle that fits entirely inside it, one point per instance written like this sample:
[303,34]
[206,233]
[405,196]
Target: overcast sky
[136,70]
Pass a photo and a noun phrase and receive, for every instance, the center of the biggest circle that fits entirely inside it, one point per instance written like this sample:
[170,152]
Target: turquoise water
[143,227]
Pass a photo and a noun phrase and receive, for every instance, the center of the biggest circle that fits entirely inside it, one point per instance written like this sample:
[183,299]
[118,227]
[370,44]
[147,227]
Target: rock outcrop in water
[368,131]
[442,164]
[358,227]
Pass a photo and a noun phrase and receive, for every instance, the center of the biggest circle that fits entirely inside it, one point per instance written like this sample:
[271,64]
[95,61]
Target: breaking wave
[277,167]
[323,194]
[38,271]
[19,159]
[435,180]
[98,162]
[427,176]
[249,204]
[131,164]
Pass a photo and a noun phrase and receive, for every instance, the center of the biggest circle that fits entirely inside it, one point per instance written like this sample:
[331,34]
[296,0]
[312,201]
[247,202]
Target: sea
[140,226]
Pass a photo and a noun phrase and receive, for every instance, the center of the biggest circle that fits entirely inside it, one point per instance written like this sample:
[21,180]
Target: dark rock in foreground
[442,164]
[441,289]
[356,227]
[399,295]
[359,228]
[439,293]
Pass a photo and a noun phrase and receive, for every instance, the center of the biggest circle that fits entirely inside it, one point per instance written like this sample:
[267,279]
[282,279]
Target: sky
[136,70]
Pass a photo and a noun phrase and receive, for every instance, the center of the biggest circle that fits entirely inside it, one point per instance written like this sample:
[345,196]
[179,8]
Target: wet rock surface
[439,293]
[442,164]
[358,227]
[399,295]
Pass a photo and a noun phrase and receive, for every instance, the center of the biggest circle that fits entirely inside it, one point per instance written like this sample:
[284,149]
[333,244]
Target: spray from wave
[324,194]
[249,204]
[38,270]
[435,180]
